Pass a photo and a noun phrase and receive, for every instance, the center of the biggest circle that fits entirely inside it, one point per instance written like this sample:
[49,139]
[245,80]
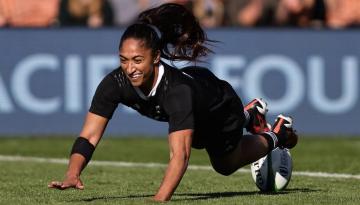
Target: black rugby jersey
[188,98]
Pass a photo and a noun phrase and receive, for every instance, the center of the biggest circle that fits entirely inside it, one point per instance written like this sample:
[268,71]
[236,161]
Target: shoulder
[107,96]
[179,98]
[178,82]
[119,77]
[113,86]
[115,77]
[114,80]
[176,76]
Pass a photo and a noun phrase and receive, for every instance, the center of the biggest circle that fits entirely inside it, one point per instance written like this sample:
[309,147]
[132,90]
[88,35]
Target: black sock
[271,138]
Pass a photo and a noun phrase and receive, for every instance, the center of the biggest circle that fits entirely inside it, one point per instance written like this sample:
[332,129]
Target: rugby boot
[283,129]
[257,110]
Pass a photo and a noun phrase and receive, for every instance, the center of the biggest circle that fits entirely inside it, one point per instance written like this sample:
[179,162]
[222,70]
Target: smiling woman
[138,62]
[202,111]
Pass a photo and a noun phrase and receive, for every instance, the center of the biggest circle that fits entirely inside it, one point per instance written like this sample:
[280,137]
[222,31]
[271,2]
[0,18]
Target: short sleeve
[106,98]
[179,106]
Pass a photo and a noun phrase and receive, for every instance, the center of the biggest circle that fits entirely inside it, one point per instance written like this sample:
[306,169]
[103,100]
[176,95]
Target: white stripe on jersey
[153,90]
[188,75]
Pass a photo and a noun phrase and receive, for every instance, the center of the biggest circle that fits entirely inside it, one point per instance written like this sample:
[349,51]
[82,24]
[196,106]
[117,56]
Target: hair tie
[157,31]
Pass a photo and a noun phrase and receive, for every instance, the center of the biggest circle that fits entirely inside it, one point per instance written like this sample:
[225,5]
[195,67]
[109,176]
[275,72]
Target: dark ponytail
[181,37]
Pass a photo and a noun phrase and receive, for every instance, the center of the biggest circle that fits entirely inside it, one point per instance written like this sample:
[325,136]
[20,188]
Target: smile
[135,76]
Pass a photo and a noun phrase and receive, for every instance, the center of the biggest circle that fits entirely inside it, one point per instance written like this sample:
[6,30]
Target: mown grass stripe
[159,165]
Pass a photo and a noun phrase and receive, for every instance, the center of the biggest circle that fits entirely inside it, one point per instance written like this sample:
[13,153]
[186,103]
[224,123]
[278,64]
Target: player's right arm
[103,105]
[90,136]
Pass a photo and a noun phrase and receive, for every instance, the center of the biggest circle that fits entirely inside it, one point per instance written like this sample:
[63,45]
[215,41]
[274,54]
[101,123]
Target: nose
[130,67]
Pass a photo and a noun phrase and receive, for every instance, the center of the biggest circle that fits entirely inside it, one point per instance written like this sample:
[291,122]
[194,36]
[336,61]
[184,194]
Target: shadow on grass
[215,195]
[107,198]
[198,196]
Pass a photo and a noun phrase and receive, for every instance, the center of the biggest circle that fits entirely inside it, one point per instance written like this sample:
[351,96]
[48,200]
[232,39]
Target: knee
[224,170]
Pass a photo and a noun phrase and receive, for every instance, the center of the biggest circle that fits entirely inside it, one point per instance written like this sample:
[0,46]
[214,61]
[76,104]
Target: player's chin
[136,82]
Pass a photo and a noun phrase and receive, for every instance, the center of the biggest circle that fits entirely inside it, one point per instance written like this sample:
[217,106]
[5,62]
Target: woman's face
[137,61]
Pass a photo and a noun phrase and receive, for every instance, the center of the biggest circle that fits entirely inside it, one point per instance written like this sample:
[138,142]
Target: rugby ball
[273,172]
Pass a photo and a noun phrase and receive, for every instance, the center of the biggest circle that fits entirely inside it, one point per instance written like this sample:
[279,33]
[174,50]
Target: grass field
[25,181]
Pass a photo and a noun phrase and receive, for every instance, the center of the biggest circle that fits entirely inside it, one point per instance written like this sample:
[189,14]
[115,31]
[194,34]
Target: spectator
[28,13]
[182,2]
[234,8]
[91,13]
[343,13]
[210,13]
[126,11]
[300,13]
[249,13]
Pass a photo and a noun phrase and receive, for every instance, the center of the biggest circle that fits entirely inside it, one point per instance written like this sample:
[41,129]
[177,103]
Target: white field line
[5,158]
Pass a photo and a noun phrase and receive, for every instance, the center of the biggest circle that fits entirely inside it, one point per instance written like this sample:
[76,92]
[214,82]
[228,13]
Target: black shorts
[221,133]
[223,144]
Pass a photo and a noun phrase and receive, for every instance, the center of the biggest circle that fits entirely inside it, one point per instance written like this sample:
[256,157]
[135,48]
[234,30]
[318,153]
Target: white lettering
[247,77]
[5,103]
[20,84]
[316,75]
[294,89]
[221,66]
[73,84]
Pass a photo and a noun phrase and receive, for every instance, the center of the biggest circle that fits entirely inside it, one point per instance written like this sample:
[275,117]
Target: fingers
[64,185]
[55,184]
[79,186]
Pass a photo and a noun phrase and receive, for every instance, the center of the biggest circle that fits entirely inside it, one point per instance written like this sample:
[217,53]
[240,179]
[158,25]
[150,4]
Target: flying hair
[173,30]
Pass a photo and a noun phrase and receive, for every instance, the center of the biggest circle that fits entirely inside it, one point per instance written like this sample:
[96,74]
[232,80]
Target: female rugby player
[202,110]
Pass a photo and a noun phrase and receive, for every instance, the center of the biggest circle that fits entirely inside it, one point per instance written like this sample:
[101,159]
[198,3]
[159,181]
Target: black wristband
[84,147]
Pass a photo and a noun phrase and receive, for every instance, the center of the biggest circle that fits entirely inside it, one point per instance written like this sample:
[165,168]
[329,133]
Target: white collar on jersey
[153,90]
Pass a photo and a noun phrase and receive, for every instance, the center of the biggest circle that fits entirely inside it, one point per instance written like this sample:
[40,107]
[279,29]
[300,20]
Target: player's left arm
[180,149]
[179,105]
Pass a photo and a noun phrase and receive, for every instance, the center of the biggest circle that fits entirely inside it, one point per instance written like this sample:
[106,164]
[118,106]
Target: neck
[146,88]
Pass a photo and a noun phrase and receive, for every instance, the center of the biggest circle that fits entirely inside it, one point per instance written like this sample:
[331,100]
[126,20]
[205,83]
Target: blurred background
[302,56]
[210,13]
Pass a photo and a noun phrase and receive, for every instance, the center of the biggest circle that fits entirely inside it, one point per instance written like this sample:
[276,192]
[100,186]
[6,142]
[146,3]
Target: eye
[138,61]
[122,61]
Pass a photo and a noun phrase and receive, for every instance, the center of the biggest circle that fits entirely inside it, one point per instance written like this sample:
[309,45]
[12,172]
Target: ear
[157,57]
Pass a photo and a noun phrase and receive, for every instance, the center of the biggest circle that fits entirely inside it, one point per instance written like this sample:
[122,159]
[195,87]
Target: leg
[249,149]
[252,147]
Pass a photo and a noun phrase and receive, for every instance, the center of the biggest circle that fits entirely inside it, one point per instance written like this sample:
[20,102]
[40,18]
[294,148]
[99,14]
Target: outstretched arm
[180,148]
[92,131]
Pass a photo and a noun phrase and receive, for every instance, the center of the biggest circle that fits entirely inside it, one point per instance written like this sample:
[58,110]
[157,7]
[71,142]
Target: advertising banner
[48,78]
